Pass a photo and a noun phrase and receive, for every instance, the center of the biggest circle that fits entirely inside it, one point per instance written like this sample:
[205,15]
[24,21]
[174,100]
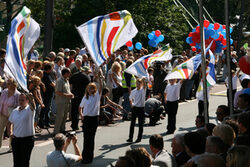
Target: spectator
[242,140]
[59,64]
[66,54]
[161,157]
[209,128]
[76,66]
[244,85]
[85,60]
[236,156]
[178,150]
[72,55]
[125,162]
[159,76]
[89,111]
[153,109]
[78,82]
[137,101]
[194,146]
[233,125]
[52,56]
[140,156]
[222,112]
[116,82]
[22,122]
[47,96]
[244,125]
[226,133]
[200,121]
[214,144]
[8,102]
[128,84]
[59,157]
[244,102]
[33,54]
[208,160]
[63,100]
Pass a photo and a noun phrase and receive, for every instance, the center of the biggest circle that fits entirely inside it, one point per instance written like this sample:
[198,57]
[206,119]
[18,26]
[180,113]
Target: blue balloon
[223,33]
[138,45]
[197,46]
[216,35]
[207,35]
[160,38]
[150,35]
[193,30]
[131,47]
[211,26]
[230,30]
[211,32]
[231,41]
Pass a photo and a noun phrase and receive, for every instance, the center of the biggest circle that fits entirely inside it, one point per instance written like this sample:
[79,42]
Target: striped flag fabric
[210,76]
[103,35]
[23,34]
[139,67]
[186,69]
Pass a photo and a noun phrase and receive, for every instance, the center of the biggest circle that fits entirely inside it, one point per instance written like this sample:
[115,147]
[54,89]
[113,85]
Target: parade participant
[171,97]
[116,81]
[153,109]
[22,130]
[137,100]
[89,111]
[59,157]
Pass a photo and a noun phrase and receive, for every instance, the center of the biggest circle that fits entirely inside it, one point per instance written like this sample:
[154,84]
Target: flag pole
[203,62]
[230,100]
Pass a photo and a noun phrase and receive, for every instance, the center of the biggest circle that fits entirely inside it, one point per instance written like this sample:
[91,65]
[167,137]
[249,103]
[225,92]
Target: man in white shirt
[59,158]
[171,97]
[161,157]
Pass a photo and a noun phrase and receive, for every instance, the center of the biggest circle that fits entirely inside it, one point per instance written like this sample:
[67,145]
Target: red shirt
[69,61]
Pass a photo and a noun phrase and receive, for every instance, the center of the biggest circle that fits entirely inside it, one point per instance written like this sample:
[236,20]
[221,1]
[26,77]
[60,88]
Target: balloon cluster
[213,32]
[130,45]
[155,37]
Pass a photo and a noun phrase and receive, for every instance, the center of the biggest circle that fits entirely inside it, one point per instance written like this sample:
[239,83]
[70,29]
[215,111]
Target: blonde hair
[237,156]
[225,132]
[38,65]
[36,80]
[60,54]
[116,66]
[90,85]
[12,81]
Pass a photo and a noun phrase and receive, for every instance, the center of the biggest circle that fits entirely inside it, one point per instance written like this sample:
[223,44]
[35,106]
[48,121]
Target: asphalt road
[111,140]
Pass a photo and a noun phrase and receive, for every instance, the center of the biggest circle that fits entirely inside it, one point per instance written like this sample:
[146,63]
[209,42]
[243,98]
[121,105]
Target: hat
[85,69]
[66,50]
[244,76]
[1,80]
[79,57]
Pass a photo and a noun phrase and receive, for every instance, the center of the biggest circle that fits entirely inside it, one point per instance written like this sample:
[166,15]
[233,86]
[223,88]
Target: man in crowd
[222,112]
[63,100]
[59,157]
[161,157]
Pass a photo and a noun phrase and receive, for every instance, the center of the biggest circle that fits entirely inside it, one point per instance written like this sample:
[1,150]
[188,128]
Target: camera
[70,134]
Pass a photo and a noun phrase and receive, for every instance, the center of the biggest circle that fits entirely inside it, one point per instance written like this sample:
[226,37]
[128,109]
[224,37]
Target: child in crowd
[137,101]
[36,91]
[107,107]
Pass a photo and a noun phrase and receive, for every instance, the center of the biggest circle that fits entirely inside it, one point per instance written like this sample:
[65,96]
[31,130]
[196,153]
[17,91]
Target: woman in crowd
[8,101]
[116,78]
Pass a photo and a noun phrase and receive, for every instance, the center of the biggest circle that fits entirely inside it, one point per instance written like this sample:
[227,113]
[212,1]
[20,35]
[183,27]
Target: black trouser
[201,107]
[44,117]
[155,115]
[89,130]
[74,112]
[22,148]
[172,107]
[117,93]
[136,112]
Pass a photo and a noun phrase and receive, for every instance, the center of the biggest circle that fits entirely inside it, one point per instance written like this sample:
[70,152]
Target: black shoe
[84,161]
[169,132]
[138,140]
[130,140]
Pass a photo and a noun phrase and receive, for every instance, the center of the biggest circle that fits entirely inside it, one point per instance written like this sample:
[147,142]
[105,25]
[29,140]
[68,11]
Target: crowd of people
[69,86]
